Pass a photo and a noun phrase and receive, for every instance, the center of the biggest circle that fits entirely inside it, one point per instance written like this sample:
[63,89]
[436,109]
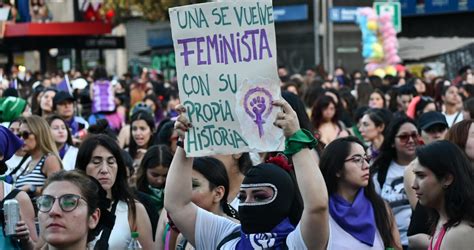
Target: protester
[153,171]
[63,104]
[46,102]
[142,128]
[396,153]
[446,185]
[25,236]
[359,218]
[63,138]
[325,119]
[452,105]
[18,159]
[273,210]
[462,134]
[372,128]
[377,100]
[39,143]
[69,210]
[432,126]
[210,189]
[100,157]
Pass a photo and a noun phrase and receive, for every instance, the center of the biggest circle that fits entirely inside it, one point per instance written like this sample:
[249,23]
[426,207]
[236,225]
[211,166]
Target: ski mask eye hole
[257,194]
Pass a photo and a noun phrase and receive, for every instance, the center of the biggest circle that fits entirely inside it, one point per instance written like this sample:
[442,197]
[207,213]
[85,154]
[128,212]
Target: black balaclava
[261,217]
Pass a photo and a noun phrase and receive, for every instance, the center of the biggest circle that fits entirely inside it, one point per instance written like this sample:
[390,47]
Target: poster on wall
[227,76]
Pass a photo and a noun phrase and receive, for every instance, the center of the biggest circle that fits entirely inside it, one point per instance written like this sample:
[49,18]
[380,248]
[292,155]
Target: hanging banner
[227,76]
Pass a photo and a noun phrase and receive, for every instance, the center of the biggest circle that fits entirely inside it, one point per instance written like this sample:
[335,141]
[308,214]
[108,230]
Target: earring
[445,186]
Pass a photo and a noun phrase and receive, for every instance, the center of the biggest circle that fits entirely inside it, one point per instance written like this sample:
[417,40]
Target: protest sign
[227,76]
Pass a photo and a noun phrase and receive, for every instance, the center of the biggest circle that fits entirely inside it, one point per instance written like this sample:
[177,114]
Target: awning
[77,35]
[56,29]
[413,49]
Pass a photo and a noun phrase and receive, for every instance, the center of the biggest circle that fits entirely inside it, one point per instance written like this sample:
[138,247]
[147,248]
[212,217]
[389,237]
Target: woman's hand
[182,124]
[22,231]
[286,120]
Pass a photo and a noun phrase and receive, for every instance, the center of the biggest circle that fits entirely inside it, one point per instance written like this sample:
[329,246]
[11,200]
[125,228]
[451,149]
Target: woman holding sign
[269,204]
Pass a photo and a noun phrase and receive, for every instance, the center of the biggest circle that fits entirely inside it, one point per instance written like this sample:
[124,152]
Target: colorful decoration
[379,42]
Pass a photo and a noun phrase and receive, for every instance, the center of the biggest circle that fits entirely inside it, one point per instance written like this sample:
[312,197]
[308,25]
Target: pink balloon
[370,67]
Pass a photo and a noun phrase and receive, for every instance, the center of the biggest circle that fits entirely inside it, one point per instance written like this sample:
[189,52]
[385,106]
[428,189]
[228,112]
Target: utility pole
[330,32]
[317,52]
[324,19]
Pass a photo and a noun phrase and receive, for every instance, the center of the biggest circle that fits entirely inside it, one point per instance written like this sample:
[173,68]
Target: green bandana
[158,195]
[299,140]
[11,108]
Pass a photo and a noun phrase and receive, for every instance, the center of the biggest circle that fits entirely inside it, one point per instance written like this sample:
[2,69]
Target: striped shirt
[34,178]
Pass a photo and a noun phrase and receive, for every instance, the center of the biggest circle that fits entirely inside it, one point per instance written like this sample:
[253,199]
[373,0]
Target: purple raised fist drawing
[258,106]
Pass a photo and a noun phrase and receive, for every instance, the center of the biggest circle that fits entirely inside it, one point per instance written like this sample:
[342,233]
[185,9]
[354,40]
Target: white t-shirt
[13,163]
[342,240]
[450,118]
[393,191]
[69,159]
[211,229]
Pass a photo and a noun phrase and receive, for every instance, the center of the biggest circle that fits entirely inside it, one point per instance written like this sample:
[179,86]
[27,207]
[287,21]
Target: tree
[152,10]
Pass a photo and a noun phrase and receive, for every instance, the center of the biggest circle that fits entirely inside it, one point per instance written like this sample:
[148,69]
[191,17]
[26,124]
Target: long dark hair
[388,152]
[148,118]
[380,117]
[120,189]
[317,112]
[214,171]
[157,155]
[459,196]
[332,162]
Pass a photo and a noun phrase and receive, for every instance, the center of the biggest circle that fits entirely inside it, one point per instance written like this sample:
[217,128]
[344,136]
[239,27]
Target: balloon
[377,47]
[371,67]
[372,25]
[380,73]
[390,70]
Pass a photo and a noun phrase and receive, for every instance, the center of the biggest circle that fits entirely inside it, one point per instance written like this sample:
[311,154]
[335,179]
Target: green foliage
[152,10]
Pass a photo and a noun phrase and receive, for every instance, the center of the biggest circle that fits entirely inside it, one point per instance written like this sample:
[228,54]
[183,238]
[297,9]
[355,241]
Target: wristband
[299,140]
[180,143]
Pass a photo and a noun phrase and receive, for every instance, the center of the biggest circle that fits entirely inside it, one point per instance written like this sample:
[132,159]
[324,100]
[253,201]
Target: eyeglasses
[359,159]
[25,135]
[404,138]
[67,202]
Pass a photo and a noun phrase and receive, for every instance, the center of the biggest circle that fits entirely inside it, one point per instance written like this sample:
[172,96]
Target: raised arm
[178,189]
[310,182]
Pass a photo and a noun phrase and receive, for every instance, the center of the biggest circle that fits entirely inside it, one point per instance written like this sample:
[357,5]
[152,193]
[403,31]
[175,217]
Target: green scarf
[157,195]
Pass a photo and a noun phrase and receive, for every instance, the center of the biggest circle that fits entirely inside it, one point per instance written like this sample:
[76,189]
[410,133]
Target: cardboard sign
[227,76]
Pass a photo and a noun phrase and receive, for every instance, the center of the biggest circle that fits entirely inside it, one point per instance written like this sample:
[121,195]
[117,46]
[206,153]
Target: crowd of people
[369,163]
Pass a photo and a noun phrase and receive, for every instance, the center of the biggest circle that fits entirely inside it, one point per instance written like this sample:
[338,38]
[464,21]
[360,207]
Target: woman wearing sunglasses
[69,210]
[40,145]
[397,152]
[100,157]
[359,218]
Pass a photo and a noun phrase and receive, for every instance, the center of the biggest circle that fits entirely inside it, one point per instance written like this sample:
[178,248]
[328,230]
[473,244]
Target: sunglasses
[67,202]
[404,138]
[25,135]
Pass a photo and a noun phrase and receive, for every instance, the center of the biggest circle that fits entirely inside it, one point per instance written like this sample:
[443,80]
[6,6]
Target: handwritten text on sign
[227,75]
